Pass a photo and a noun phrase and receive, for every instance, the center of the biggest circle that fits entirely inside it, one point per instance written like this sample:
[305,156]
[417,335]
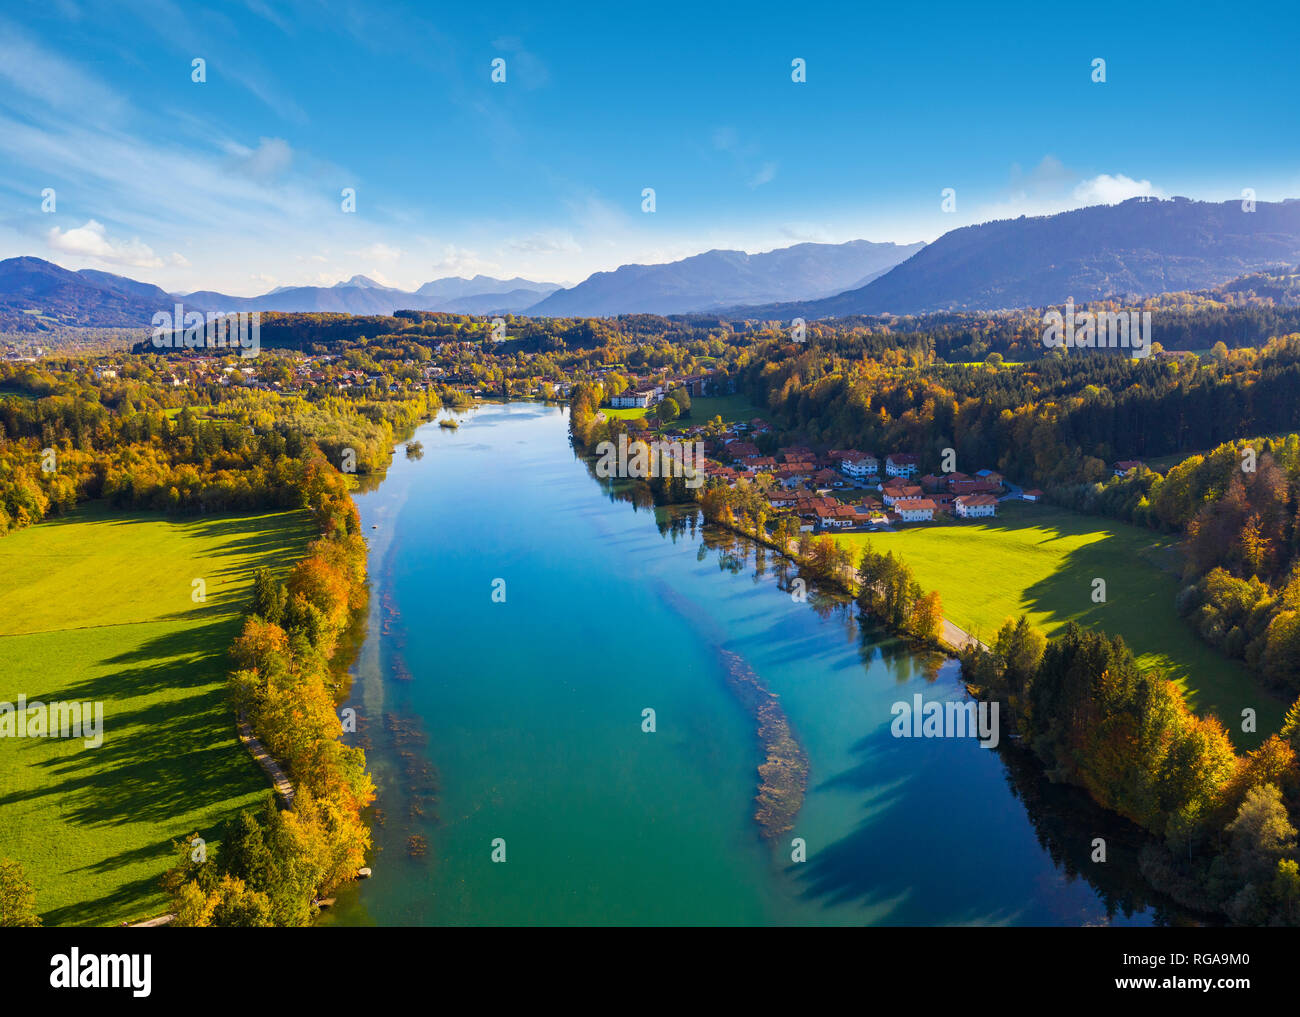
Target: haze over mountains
[35,292]
[704,282]
[1136,248]
[361,295]
[718,279]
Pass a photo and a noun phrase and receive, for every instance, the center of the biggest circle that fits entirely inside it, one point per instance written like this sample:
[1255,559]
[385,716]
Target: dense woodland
[142,445]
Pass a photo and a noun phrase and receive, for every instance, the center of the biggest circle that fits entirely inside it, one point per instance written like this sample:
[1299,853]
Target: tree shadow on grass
[162,762]
[92,912]
[1139,606]
[182,658]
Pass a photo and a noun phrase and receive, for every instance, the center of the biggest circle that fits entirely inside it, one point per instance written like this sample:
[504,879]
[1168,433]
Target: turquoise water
[522,721]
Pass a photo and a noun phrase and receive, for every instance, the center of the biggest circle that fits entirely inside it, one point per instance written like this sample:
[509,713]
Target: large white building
[915,510]
[860,464]
[901,465]
[632,400]
[970,505]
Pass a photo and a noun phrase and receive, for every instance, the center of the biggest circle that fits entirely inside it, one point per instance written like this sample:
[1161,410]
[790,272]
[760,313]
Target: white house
[915,510]
[632,400]
[859,464]
[970,505]
[893,495]
[901,464]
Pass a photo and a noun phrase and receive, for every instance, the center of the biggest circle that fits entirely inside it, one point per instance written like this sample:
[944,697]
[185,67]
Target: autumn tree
[927,617]
[17,898]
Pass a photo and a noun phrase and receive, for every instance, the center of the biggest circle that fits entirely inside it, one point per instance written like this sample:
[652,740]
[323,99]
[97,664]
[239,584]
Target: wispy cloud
[269,160]
[190,32]
[52,81]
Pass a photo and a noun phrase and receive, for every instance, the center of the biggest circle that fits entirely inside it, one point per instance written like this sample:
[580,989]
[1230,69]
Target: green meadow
[731,408]
[98,607]
[623,413]
[1041,561]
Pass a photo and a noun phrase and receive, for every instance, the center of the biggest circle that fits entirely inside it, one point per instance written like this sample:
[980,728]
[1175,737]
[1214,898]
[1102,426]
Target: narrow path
[279,779]
[960,639]
[153,923]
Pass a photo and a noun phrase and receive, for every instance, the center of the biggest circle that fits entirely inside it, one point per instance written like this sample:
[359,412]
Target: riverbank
[1043,562]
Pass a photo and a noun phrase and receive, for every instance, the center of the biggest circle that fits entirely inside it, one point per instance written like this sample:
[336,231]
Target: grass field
[731,408]
[626,413]
[1041,561]
[97,607]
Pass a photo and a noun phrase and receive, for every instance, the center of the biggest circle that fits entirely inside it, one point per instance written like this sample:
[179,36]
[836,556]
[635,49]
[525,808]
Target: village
[836,490]
[292,373]
[848,489]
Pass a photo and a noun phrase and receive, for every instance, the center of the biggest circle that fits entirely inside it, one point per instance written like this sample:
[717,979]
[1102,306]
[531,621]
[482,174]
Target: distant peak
[362,282]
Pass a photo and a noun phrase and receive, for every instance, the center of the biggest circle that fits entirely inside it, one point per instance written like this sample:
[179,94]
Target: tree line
[272,866]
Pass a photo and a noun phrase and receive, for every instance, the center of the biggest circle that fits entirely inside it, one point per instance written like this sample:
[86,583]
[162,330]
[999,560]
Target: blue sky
[235,183]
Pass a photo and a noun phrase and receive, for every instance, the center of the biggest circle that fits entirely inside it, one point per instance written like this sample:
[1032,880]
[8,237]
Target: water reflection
[858,868]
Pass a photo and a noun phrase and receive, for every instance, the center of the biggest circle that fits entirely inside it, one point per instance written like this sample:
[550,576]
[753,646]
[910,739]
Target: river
[524,615]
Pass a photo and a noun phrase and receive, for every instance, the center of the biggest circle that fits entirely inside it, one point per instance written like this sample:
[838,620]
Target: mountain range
[35,294]
[362,295]
[1136,248]
[718,279]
